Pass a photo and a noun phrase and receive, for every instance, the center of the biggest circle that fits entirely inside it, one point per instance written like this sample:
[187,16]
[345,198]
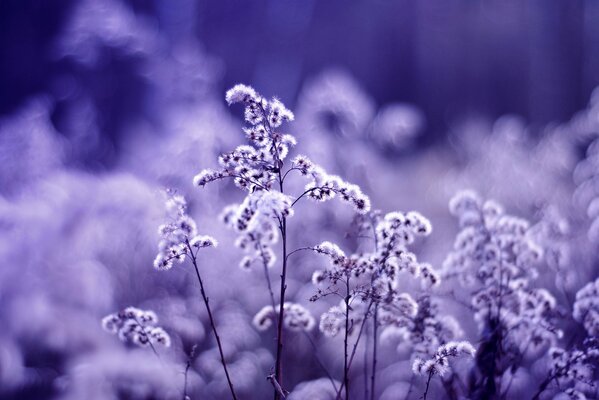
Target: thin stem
[345,354]
[288,171]
[298,250]
[267,278]
[365,361]
[428,382]
[278,389]
[279,359]
[187,367]
[374,351]
[212,324]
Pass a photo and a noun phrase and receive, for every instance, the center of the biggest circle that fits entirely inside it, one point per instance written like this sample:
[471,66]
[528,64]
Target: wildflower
[136,326]
[586,307]
[178,235]
[439,363]
[296,317]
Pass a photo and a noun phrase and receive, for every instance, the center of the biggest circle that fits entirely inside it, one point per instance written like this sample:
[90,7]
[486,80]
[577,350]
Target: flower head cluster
[179,235]
[296,317]
[136,326]
[380,268]
[586,307]
[257,221]
[439,363]
[495,258]
[375,275]
[323,187]
[332,322]
[427,330]
[574,369]
[256,166]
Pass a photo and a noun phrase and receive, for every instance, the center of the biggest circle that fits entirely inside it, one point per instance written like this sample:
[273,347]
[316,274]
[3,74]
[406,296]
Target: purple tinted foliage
[324,283]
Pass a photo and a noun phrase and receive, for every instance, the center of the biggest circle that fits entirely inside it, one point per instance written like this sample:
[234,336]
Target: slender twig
[365,361]
[278,389]
[345,354]
[267,278]
[279,359]
[212,324]
[374,353]
[353,353]
[288,171]
[298,250]
[187,367]
[428,382]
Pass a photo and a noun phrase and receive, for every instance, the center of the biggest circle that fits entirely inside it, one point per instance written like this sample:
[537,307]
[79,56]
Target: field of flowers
[187,215]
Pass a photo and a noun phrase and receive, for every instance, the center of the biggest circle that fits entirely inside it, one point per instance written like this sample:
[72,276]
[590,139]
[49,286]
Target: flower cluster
[257,221]
[296,317]
[371,279]
[426,331]
[573,371]
[439,363]
[323,187]
[179,235]
[586,307]
[254,167]
[494,257]
[136,326]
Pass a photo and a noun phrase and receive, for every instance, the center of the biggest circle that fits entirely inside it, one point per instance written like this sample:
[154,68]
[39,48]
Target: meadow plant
[180,242]
[495,260]
[137,327]
[260,170]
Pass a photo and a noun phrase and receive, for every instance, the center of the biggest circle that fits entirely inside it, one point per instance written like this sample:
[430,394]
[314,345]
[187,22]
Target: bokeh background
[103,103]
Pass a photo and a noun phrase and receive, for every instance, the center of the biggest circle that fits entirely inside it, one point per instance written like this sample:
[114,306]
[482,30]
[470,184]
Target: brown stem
[214,331]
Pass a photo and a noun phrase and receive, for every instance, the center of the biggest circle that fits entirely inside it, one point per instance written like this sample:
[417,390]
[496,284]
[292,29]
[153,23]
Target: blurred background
[103,103]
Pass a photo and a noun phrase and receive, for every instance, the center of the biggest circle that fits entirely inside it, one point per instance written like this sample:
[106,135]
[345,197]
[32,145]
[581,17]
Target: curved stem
[210,317]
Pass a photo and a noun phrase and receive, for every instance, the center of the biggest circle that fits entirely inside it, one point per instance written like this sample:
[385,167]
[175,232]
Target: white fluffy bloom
[586,307]
[241,93]
[439,363]
[178,234]
[295,317]
[332,321]
[136,326]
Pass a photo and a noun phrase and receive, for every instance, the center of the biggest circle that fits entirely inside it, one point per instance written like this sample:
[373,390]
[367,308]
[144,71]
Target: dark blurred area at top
[451,58]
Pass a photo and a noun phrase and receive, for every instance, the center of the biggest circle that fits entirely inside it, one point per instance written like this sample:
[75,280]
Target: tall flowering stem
[194,261]
[180,241]
[263,215]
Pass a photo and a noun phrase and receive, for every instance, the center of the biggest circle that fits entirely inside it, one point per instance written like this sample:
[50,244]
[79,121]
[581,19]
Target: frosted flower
[241,93]
[586,307]
[323,187]
[296,317]
[331,250]
[136,326]
[178,235]
[439,363]
[202,241]
[494,257]
[332,321]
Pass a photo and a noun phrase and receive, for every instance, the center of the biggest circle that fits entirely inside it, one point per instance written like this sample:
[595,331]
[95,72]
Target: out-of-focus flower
[136,326]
